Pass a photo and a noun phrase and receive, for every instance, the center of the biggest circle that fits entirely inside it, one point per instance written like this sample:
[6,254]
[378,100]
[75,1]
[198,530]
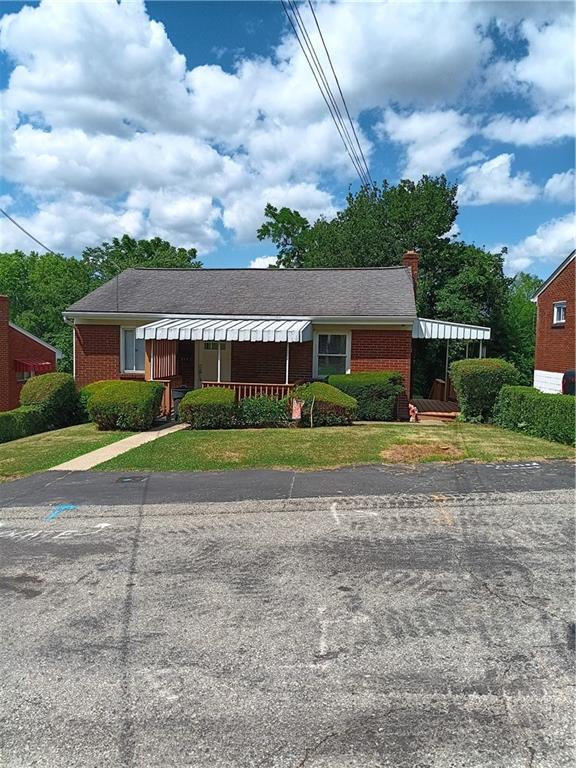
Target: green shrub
[375,392]
[86,393]
[209,408]
[325,405]
[21,422]
[527,410]
[55,394]
[477,384]
[262,411]
[130,405]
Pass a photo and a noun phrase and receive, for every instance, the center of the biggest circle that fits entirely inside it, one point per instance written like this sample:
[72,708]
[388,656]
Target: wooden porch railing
[166,404]
[247,389]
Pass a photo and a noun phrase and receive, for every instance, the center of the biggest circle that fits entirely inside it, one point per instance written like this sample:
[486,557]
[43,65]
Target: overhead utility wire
[340,90]
[26,231]
[357,167]
[320,69]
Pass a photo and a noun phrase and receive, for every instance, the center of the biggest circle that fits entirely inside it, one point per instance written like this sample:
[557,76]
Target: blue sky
[183,119]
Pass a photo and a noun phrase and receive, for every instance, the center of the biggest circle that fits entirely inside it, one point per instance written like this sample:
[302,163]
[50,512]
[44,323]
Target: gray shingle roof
[384,292]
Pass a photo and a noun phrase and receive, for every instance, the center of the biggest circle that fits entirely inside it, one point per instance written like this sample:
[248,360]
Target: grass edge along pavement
[36,453]
[332,447]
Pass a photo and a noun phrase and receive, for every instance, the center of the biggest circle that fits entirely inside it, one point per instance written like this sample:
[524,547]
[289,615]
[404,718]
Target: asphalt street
[431,627]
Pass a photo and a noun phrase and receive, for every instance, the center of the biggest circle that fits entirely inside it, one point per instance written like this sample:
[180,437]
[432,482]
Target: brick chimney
[410,259]
[4,355]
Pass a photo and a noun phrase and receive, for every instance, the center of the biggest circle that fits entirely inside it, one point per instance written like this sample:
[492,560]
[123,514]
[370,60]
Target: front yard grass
[47,449]
[328,447]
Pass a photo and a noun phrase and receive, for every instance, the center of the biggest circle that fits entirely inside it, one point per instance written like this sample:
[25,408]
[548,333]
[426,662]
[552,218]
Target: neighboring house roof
[378,292]
[554,274]
[36,339]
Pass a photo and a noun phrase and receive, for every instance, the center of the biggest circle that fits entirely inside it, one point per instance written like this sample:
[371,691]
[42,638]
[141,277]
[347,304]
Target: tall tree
[105,261]
[373,229]
[521,323]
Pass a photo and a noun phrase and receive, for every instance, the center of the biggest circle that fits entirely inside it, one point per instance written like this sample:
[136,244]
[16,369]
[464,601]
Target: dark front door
[186,362]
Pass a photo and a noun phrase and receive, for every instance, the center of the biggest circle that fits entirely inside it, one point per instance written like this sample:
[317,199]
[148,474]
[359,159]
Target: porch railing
[247,389]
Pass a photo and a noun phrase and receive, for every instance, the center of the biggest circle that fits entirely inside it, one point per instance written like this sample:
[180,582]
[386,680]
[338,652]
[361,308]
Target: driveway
[429,628]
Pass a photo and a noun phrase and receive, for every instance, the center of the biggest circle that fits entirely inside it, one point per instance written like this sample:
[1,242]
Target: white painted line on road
[23,534]
[334,513]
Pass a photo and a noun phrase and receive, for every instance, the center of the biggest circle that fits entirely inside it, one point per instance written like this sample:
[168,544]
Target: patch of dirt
[412,452]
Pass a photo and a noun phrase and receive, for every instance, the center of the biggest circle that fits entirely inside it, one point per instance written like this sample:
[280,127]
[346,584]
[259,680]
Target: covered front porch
[253,356]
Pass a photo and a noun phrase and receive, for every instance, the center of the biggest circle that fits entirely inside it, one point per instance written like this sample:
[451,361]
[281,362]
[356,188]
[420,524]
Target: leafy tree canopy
[373,230]
[105,261]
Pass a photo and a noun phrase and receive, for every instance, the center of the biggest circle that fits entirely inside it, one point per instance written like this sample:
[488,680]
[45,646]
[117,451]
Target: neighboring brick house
[555,327]
[21,355]
[203,326]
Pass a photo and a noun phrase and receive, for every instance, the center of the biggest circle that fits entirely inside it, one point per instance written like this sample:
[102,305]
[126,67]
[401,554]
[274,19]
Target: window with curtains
[132,352]
[331,353]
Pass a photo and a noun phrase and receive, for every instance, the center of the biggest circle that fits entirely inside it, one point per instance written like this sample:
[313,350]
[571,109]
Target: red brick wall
[97,353]
[556,345]
[5,374]
[382,351]
[24,348]
[265,362]
[16,346]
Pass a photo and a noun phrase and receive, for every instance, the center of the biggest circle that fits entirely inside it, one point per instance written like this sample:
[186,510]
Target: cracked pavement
[407,631]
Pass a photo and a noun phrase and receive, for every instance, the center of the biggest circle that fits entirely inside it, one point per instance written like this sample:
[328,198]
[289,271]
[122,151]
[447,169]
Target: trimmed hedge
[325,405]
[263,411]
[540,414]
[375,392]
[129,405]
[56,396]
[86,393]
[209,408]
[477,384]
[21,422]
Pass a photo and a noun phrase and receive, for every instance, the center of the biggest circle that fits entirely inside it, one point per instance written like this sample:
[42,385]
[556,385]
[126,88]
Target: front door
[208,361]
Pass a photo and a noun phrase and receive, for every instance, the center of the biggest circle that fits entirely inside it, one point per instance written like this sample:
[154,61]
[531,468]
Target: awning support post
[467,345]
[219,361]
[481,349]
[287,363]
[446,370]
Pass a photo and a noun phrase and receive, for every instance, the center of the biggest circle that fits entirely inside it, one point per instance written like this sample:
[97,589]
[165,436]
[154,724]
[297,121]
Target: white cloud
[548,246]
[262,262]
[432,139]
[560,187]
[245,210]
[493,182]
[101,108]
[543,128]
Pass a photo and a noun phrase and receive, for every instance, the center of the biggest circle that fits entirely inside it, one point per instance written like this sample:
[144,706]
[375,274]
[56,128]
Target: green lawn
[38,452]
[334,447]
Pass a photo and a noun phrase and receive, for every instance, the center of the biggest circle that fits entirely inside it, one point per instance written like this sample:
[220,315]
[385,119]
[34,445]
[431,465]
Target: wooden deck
[444,409]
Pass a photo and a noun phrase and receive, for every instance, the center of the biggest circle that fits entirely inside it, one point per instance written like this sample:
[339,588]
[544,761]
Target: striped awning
[228,329]
[33,366]
[424,328]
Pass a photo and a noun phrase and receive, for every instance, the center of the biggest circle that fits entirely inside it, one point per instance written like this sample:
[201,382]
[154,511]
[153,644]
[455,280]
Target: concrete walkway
[100,455]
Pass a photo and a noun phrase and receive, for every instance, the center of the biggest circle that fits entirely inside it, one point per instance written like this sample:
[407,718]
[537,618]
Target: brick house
[21,355]
[555,327]
[248,327]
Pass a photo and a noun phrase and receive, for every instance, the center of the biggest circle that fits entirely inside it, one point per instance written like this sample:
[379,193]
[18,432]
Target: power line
[320,70]
[340,90]
[26,232]
[324,87]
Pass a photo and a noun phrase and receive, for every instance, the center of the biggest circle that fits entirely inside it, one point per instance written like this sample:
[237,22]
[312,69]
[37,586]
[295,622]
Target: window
[559,313]
[23,375]
[132,352]
[331,353]
[214,345]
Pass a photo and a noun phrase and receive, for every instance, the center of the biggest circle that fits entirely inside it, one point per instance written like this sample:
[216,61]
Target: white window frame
[122,349]
[317,334]
[556,307]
